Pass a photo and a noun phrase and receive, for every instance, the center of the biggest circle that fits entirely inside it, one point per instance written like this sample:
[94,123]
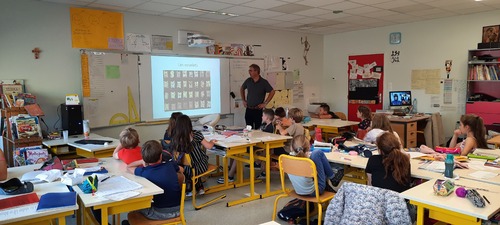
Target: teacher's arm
[243,97]
[268,99]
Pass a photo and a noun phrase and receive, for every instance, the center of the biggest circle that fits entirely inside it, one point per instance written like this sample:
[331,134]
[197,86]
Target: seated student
[267,126]
[304,185]
[167,137]
[324,113]
[380,124]
[128,150]
[185,140]
[279,115]
[3,166]
[391,169]
[364,113]
[473,127]
[164,175]
[295,128]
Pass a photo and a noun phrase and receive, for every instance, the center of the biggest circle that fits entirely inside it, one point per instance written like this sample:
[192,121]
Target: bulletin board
[365,83]
[110,83]
[96,29]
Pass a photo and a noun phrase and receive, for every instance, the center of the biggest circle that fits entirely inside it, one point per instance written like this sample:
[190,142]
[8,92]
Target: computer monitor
[400,98]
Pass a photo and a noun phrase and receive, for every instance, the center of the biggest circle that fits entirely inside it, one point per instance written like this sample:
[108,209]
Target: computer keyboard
[93,142]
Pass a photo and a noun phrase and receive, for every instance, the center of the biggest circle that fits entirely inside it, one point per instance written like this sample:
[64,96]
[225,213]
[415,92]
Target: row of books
[30,155]
[18,99]
[484,72]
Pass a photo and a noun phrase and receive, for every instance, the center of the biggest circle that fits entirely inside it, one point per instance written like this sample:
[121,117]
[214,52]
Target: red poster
[365,83]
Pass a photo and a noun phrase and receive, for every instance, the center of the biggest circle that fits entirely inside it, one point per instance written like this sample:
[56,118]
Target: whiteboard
[112,94]
[238,73]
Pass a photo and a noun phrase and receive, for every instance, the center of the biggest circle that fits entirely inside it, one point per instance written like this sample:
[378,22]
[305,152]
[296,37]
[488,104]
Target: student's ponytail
[395,162]
[476,126]
[300,146]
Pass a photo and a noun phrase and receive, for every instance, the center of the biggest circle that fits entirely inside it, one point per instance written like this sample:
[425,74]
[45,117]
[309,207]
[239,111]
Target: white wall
[424,45]
[26,24]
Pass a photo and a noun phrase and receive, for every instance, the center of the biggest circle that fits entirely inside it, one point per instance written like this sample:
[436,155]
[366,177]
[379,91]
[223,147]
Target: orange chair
[304,167]
[341,115]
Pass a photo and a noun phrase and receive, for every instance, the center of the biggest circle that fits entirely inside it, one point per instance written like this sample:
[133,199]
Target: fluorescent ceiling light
[209,11]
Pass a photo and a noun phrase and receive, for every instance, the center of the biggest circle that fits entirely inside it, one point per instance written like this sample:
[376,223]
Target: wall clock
[395,38]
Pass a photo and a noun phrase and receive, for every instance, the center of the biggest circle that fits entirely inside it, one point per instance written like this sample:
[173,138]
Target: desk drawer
[411,127]
[411,143]
[411,134]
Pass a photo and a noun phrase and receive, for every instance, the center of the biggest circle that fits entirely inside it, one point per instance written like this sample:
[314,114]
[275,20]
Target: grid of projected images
[186,89]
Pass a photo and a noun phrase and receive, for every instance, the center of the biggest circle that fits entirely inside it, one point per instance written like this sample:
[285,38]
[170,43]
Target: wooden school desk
[269,141]
[88,150]
[330,126]
[27,214]
[109,207]
[453,209]
[242,151]
[407,128]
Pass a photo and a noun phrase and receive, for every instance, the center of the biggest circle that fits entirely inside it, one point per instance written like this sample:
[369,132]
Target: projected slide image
[190,89]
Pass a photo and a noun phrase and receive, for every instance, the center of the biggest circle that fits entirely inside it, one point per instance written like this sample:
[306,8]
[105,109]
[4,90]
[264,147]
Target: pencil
[486,200]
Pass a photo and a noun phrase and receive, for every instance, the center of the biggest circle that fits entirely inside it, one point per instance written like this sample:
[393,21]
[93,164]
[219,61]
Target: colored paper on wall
[112,72]
[96,29]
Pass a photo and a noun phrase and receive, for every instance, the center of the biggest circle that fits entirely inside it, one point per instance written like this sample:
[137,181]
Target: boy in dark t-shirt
[165,176]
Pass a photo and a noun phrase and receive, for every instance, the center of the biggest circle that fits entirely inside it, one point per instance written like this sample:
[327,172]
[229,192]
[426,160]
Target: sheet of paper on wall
[273,63]
[271,78]
[288,80]
[280,81]
[417,79]
[138,42]
[433,81]
[352,74]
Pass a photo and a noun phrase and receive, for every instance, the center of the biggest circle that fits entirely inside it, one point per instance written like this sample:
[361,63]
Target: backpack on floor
[294,209]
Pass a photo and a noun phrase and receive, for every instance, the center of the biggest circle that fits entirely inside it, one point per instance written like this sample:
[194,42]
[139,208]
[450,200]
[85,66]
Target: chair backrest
[298,166]
[341,115]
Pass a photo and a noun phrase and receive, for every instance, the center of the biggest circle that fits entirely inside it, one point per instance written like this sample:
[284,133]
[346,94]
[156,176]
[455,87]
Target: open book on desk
[435,166]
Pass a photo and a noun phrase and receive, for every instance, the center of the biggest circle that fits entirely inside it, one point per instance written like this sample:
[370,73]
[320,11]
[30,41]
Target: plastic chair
[304,167]
[139,219]
[211,168]
[210,120]
[341,115]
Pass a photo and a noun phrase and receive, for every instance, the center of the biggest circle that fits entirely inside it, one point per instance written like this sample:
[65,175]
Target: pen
[486,200]
[105,179]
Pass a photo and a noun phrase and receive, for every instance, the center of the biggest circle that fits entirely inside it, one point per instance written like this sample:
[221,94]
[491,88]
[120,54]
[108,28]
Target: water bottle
[449,164]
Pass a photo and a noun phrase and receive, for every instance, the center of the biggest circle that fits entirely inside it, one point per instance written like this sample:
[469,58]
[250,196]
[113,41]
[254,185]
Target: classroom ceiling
[307,16]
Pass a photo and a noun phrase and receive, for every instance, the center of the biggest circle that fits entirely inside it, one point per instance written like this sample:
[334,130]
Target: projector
[199,41]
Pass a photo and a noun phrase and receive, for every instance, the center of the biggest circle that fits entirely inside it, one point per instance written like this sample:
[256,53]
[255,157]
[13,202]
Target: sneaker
[261,176]
[201,192]
[221,180]
[189,194]
[337,177]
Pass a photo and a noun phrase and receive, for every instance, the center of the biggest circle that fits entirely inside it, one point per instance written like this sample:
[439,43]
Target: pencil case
[475,198]
[481,157]
[447,150]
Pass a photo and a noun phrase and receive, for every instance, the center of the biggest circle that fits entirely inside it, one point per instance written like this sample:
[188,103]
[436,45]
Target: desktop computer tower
[72,119]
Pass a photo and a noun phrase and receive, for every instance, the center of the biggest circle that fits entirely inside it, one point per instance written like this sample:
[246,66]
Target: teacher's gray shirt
[256,90]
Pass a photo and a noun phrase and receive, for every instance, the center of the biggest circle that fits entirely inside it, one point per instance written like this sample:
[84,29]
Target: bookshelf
[483,80]
[10,144]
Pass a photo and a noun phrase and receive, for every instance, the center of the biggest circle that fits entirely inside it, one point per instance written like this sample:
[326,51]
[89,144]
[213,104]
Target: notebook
[56,200]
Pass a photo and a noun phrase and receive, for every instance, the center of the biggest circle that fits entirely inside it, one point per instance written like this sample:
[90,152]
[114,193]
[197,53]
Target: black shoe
[329,187]
[337,177]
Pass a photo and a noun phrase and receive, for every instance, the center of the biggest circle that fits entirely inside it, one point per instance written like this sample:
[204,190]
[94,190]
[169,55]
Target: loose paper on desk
[24,210]
[115,185]
[435,166]
[122,195]
[415,154]
[483,175]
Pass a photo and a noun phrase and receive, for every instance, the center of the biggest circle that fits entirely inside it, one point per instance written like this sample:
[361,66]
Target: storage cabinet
[9,144]
[483,85]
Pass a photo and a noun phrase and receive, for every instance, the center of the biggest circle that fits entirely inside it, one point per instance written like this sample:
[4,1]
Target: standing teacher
[254,101]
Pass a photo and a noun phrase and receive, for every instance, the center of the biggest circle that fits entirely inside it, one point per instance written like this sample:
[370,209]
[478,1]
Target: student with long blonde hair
[380,123]
[391,169]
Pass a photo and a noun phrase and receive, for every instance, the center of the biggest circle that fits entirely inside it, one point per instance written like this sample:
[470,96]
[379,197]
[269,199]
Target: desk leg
[420,215]
[252,195]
